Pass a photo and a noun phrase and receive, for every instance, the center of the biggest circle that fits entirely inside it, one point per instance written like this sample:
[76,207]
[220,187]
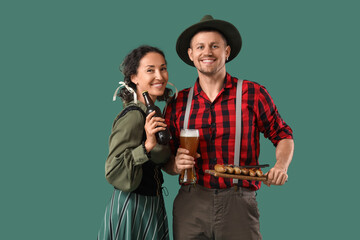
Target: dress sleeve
[270,122]
[160,154]
[123,167]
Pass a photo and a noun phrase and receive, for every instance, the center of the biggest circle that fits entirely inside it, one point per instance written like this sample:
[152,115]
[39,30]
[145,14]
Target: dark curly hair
[130,66]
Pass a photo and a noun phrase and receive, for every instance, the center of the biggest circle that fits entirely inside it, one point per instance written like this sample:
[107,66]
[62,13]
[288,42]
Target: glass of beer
[189,139]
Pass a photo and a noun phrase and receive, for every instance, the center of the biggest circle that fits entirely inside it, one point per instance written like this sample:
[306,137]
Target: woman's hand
[152,126]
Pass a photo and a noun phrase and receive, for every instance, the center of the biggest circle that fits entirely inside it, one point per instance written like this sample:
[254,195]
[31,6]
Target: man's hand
[284,153]
[183,160]
[276,176]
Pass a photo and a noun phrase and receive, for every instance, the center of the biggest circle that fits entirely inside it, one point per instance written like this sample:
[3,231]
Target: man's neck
[212,84]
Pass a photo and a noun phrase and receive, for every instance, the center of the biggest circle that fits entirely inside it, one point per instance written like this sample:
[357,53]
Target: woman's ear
[134,79]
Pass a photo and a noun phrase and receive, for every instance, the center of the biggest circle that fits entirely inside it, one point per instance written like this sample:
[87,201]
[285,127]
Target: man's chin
[207,72]
[210,71]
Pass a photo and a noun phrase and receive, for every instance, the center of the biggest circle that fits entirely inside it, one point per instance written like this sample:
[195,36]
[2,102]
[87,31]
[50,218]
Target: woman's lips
[157,85]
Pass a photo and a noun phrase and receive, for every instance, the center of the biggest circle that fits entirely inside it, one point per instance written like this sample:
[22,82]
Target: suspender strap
[238,126]
[188,106]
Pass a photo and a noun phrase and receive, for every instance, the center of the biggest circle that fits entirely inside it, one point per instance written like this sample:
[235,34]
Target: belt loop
[241,191]
[236,188]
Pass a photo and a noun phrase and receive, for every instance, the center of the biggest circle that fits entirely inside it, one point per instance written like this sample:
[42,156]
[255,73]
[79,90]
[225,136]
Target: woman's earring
[176,90]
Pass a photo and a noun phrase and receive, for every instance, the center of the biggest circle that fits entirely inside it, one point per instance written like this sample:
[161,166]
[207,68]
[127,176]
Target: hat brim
[229,31]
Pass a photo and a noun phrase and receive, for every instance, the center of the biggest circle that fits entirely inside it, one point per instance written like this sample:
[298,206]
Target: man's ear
[227,51]
[190,54]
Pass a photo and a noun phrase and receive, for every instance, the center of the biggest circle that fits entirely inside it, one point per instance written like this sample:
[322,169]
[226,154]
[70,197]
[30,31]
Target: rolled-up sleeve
[270,122]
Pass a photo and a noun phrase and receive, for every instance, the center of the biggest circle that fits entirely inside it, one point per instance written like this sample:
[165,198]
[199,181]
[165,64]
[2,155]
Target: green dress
[136,209]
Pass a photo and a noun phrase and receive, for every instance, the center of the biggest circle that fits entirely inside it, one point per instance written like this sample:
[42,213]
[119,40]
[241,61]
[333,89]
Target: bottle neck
[147,99]
[141,99]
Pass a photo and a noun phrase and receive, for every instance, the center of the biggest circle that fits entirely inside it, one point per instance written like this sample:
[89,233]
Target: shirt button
[213,160]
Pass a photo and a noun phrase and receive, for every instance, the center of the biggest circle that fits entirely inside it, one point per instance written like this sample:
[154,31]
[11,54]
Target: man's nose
[208,50]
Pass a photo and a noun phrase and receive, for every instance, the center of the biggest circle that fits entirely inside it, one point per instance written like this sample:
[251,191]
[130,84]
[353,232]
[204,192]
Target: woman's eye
[149,70]
[163,69]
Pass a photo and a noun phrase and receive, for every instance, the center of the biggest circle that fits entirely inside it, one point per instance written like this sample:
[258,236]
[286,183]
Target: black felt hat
[228,30]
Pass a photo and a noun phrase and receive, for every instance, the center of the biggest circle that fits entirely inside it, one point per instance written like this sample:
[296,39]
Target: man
[222,208]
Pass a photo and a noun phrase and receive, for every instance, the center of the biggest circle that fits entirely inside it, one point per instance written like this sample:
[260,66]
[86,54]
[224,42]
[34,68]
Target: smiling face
[208,51]
[151,76]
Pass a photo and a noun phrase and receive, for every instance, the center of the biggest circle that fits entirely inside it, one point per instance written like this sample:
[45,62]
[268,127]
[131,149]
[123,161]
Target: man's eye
[163,69]
[200,47]
[215,46]
[149,70]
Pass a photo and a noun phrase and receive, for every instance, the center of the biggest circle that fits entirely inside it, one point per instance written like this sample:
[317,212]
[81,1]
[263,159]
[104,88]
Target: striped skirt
[134,216]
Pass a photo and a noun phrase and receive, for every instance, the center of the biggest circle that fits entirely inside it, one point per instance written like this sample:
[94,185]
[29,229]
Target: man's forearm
[284,153]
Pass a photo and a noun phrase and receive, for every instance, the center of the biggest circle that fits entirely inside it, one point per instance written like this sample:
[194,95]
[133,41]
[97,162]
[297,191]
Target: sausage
[244,171]
[259,173]
[237,170]
[229,169]
[252,172]
[220,168]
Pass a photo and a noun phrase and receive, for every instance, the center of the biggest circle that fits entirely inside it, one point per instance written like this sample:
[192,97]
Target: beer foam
[189,133]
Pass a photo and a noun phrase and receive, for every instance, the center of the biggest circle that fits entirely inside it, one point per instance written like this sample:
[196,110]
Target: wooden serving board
[226,175]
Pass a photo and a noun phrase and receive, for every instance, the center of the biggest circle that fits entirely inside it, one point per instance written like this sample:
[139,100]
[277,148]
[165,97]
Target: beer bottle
[163,136]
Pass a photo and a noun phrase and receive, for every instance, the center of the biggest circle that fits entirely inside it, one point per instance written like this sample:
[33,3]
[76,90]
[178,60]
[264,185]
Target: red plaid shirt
[216,123]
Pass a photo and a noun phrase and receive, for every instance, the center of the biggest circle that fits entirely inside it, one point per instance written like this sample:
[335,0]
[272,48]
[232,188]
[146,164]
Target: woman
[136,209]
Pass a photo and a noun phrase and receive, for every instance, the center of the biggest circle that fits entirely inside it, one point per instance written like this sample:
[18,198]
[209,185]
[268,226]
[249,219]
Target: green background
[59,69]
